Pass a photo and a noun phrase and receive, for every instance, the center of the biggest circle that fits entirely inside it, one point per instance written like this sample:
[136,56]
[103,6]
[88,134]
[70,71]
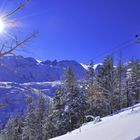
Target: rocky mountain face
[20,69]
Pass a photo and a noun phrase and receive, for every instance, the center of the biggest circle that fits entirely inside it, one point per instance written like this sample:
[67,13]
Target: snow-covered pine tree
[74,100]
[120,101]
[9,130]
[90,74]
[133,76]
[29,128]
[128,99]
[69,79]
[13,129]
[90,88]
[59,111]
[55,124]
[119,80]
[136,79]
[106,80]
[94,96]
[49,130]
[40,114]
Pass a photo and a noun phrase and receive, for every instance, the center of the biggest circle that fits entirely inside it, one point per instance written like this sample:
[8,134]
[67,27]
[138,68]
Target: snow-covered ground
[122,126]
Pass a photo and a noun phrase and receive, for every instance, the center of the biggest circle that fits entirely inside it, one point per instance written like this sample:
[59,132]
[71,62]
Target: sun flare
[2,26]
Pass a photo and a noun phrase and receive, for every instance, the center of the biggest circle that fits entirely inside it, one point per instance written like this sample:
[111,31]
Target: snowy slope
[122,126]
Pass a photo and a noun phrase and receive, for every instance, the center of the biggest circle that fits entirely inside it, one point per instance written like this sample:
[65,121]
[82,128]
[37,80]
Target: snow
[86,66]
[96,65]
[38,61]
[122,126]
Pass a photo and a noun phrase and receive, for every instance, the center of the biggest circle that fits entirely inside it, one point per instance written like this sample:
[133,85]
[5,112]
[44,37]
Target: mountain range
[19,76]
[20,69]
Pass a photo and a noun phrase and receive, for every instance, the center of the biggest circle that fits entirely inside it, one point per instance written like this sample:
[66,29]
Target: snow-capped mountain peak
[86,66]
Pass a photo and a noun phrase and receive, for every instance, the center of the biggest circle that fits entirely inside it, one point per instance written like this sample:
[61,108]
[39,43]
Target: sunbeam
[2,26]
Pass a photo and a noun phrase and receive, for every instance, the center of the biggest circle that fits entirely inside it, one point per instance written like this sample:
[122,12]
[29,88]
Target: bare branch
[3,46]
[8,47]
[10,51]
[13,54]
[16,9]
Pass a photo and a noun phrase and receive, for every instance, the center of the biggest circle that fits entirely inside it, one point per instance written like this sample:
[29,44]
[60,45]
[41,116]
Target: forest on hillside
[105,90]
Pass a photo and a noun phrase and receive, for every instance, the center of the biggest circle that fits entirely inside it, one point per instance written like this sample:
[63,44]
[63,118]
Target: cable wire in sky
[114,50]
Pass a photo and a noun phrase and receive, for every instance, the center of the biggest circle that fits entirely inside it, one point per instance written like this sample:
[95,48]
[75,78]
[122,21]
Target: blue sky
[80,29]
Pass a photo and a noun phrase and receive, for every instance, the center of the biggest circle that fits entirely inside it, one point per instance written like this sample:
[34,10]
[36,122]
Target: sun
[2,25]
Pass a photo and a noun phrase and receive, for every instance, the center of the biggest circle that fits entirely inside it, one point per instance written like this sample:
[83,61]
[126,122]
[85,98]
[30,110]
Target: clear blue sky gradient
[81,29]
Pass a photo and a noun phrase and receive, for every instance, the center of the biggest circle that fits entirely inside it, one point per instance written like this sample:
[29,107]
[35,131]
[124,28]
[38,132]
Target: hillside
[13,96]
[122,126]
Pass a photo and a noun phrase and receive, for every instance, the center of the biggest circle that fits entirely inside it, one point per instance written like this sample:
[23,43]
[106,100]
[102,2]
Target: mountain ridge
[21,69]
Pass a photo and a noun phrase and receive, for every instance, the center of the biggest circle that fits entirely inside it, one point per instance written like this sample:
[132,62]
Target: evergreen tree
[40,117]
[94,96]
[49,130]
[121,84]
[13,129]
[128,95]
[74,100]
[57,117]
[90,74]
[69,79]
[90,88]
[106,79]
[29,129]
[136,80]
[133,77]
[119,76]
[68,109]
